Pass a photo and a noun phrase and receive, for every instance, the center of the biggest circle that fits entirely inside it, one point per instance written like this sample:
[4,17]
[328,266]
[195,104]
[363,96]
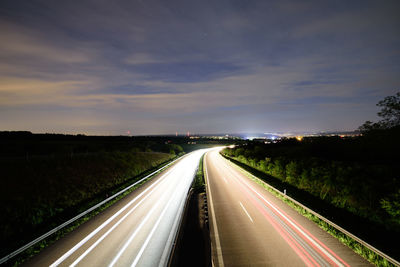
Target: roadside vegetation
[199,183]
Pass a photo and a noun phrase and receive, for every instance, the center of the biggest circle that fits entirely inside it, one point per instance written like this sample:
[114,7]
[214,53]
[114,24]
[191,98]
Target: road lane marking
[248,215]
[94,232]
[225,179]
[213,218]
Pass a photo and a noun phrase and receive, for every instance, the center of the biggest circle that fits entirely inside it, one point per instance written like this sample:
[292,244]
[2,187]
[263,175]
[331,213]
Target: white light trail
[88,237]
[128,242]
[151,234]
[110,230]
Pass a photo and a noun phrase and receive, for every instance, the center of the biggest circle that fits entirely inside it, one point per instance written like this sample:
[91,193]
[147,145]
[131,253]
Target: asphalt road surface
[251,227]
[139,230]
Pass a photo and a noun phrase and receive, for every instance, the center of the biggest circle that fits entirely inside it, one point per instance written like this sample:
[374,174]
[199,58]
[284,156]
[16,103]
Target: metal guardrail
[40,238]
[357,239]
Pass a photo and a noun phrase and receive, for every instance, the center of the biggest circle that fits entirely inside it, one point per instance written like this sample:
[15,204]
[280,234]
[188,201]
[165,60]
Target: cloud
[219,65]
[187,71]
[16,92]
[141,58]
[19,42]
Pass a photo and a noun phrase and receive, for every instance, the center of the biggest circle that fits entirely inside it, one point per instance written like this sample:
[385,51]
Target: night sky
[157,67]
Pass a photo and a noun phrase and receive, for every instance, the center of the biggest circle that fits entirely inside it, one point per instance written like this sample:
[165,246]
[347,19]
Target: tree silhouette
[390,114]
[390,110]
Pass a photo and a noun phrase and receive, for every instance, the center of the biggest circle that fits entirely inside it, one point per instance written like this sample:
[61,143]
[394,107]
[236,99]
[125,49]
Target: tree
[292,172]
[390,111]
[369,126]
[390,114]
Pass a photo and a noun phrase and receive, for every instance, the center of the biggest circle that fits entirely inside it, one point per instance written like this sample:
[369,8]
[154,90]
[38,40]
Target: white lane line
[248,215]
[139,255]
[213,218]
[128,242]
[110,230]
[88,237]
[225,179]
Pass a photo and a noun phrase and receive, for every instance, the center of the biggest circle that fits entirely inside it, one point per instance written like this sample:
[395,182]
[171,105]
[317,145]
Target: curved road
[138,230]
[251,227]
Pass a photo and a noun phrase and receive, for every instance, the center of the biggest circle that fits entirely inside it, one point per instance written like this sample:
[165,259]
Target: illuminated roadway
[251,227]
[139,230]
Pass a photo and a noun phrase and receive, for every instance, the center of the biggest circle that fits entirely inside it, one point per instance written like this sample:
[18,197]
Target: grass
[360,249]
[199,183]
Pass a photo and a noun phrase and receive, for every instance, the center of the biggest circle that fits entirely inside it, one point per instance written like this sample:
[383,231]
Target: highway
[251,227]
[138,230]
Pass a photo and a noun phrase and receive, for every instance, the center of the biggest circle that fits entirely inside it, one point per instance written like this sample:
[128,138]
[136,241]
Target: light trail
[105,235]
[133,235]
[88,237]
[135,262]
